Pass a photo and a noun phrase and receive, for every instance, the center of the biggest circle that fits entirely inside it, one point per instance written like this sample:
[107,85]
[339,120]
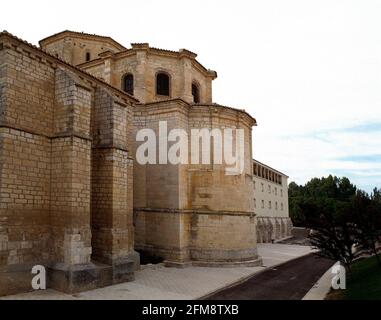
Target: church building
[73,196]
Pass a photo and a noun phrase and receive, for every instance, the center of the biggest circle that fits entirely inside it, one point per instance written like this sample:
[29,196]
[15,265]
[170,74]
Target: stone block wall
[185,213]
[160,233]
[58,135]
[144,63]
[209,232]
[25,126]
[112,179]
[25,197]
[70,177]
[73,47]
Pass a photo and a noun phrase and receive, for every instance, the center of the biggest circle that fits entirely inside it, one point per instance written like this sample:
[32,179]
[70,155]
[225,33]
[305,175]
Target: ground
[297,240]
[161,283]
[364,282]
[289,281]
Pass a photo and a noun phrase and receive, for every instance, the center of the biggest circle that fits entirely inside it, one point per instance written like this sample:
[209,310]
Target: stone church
[74,199]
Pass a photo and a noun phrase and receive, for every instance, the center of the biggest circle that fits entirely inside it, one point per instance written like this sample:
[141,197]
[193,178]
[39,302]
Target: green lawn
[363,283]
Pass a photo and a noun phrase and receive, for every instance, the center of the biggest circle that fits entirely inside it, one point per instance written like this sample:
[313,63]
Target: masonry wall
[112,179]
[210,232]
[144,66]
[50,144]
[25,198]
[26,122]
[157,185]
[161,233]
[186,213]
[157,189]
[212,188]
[73,49]
[223,202]
[70,179]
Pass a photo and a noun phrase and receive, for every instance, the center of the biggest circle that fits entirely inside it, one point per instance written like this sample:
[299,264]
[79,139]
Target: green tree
[367,214]
[340,190]
[296,197]
[333,232]
[340,216]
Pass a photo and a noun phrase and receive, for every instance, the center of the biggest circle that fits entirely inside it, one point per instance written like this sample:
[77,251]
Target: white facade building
[271,203]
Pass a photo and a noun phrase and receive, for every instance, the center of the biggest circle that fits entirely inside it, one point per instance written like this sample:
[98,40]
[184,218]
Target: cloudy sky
[309,71]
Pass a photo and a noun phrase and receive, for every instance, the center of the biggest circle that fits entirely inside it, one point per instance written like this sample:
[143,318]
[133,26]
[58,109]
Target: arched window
[162,84]
[195,93]
[128,83]
[88,56]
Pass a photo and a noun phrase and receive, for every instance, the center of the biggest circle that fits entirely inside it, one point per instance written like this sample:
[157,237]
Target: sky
[308,71]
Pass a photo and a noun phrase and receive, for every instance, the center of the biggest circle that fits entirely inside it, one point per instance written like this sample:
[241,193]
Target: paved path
[289,281]
[161,283]
[322,287]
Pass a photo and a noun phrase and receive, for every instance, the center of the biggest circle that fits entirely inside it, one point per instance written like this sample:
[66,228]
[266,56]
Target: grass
[363,283]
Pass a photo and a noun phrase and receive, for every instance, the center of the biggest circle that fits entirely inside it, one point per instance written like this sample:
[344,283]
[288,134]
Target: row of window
[267,174]
[268,189]
[269,205]
[163,82]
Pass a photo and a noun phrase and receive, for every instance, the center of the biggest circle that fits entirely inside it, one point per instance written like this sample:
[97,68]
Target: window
[276,205]
[269,187]
[263,204]
[254,185]
[88,56]
[195,93]
[276,191]
[281,206]
[162,84]
[281,192]
[263,187]
[128,83]
[255,203]
[269,204]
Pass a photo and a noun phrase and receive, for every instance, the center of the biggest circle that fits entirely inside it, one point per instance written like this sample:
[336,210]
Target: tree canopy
[344,221]
[321,193]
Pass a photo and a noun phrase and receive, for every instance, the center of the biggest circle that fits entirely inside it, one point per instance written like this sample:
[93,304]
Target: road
[289,281]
